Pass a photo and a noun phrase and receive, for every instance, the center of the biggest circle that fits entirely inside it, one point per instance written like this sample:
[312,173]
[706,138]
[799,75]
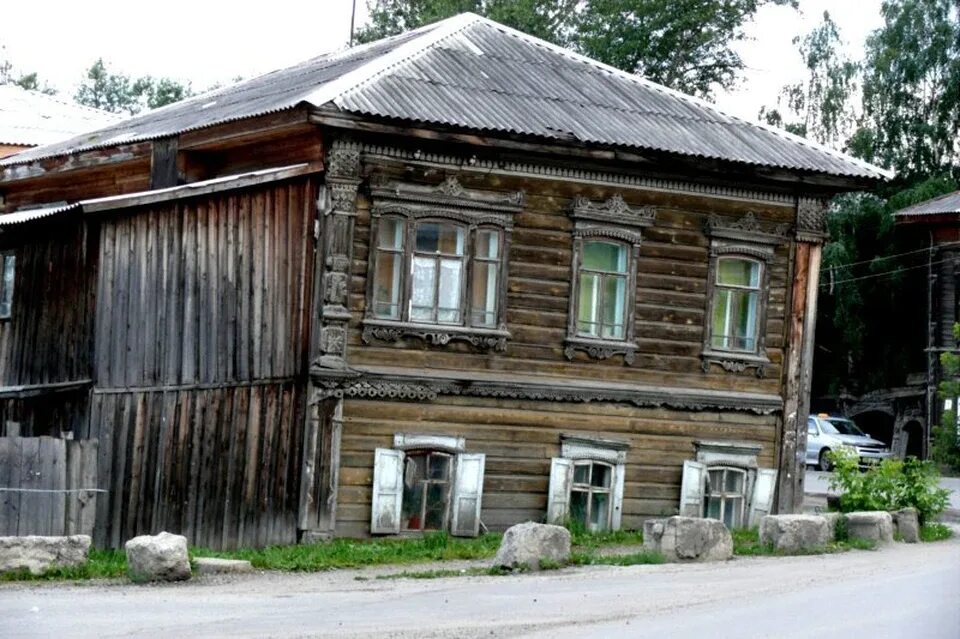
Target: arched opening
[877,424]
[913,433]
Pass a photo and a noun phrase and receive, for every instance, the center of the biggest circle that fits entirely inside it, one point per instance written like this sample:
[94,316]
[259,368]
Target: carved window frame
[617,222]
[447,203]
[745,239]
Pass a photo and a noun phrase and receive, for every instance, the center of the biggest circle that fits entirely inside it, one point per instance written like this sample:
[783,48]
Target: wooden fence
[48,486]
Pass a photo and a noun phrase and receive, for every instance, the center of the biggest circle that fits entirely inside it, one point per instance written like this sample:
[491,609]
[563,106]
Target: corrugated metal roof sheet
[31,118]
[469,72]
[28,215]
[943,205]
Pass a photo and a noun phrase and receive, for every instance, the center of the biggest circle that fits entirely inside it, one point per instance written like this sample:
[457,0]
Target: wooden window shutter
[558,495]
[692,489]
[761,503]
[467,495]
[387,491]
[619,471]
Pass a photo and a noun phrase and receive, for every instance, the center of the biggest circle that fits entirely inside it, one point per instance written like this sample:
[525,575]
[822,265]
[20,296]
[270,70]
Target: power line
[887,257]
[885,273]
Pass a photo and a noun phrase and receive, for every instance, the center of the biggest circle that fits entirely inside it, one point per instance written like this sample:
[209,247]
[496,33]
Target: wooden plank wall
[670,303]
[520,437]
[47,486]
[201,331]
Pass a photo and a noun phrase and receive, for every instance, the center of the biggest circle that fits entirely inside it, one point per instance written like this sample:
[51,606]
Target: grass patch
[583,539]
[103,564]
[746,543]
[358,553]
[643,557]
[934,531]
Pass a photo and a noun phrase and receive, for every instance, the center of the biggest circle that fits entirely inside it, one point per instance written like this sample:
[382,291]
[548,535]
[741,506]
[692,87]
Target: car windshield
[840,426]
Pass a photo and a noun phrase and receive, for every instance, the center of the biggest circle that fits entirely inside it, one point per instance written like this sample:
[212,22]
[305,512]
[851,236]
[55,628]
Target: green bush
[945,444]
[890,485]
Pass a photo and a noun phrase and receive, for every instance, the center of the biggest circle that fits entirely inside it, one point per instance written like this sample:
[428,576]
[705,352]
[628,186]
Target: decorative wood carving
[811,220]
[449,193]
[422,388]
[385,331]
[614,211]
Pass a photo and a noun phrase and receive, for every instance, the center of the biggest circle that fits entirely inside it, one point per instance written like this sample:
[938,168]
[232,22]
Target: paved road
[901,591]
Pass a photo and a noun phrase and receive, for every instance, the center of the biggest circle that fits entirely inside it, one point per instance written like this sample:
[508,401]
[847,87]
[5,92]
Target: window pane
[436,506]
[450,283]
[414,470]
[484,294]
[601,476]
[422,289]
[391,233]
[439,466]
[588,311]
[428,237]
[614,306]
[733,483]
[721,317]
[578,506]
[735,320]
[581,473]
[451,239]
[732,512]
[9,278]
[488,244]
[738,272]
[605,256]
[716,481]
[600,511]
[713,507]
[386,287]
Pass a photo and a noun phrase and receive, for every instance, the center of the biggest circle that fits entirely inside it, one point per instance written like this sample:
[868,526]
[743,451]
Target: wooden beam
[94,158]
[242,131]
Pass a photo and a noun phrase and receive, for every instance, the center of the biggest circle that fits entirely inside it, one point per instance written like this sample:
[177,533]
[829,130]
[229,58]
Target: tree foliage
[29,81]
[946,434]
[822,103]
[683,44]
[119,93]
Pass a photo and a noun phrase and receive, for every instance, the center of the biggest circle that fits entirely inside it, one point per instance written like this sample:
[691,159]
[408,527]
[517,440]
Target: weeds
[935,532]
[102,564]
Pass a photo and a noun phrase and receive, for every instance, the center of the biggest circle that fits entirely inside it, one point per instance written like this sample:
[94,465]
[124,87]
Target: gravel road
[900,591]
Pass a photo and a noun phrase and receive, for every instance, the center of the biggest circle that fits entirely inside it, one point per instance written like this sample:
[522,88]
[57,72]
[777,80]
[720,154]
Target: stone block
[796,533]
[39,554]
[160,557]
[217,566]
[906,523]
[688,539]
[530,543]
[871,525]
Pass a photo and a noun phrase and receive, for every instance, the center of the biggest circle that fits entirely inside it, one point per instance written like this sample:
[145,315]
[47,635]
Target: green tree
[118,93]
[946,435]
[822,104]
[683,44]
[911,89]
[29,81]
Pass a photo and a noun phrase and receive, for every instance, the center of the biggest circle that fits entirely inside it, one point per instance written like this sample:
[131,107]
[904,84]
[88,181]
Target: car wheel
[825,463]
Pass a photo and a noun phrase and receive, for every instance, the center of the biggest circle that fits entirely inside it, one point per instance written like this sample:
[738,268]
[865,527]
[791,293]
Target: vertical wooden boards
[9,478]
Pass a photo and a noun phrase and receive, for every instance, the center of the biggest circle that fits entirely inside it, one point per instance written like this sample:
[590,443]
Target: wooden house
[452,280]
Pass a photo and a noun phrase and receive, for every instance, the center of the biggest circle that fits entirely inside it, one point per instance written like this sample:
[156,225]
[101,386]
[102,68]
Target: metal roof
[31,118]
[943,205]
[470,72]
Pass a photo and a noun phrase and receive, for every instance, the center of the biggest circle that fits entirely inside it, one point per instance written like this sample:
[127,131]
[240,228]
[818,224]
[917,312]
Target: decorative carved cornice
[582,230]
[734,362]
[614,211]
[600,349]
[746,229]
[811,220]
[449,193]
[343,159]
[466,216]
[370,386]
[482,166]
[483,339]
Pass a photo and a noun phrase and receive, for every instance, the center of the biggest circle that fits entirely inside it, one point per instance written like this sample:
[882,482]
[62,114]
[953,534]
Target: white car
[826,433]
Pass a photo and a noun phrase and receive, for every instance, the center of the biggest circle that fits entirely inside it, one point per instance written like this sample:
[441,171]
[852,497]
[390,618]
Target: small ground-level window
[419,489]
[737,496]
[726,494]
[426,490]
[586,483]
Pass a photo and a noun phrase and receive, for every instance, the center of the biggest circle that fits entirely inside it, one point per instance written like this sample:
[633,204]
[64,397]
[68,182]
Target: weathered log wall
[201,333]
[671,297]
[520,437]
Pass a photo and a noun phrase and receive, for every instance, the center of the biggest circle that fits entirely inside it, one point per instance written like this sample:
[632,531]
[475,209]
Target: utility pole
[353,16]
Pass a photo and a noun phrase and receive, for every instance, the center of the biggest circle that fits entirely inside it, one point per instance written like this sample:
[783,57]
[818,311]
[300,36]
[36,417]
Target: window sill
[436,334]
[734,362]
[600,348]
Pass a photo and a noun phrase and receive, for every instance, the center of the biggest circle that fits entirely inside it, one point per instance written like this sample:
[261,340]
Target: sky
[211,41]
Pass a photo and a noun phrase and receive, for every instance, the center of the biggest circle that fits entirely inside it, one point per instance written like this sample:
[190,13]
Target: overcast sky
[211,41]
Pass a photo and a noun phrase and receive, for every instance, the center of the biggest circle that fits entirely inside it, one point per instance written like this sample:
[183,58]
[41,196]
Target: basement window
[586,483]
[426,483]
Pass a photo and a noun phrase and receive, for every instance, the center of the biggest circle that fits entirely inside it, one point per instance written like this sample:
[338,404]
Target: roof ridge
[354,80]
[62,101]
[679,94]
